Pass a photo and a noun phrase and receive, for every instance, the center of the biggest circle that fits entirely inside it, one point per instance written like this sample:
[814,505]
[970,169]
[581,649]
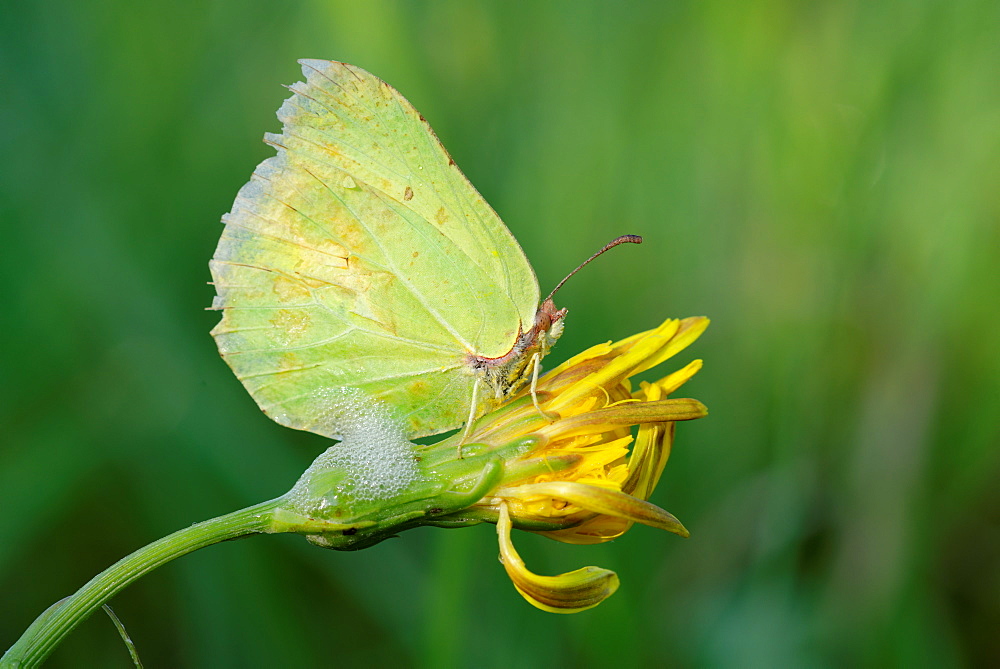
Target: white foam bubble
[373,461]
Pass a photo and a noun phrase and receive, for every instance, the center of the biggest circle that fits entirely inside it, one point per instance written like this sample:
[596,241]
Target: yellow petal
[623,414]
[672,382]
[631,354]
[592,352]
[667,328]
[603,500]
[689,330]
[572,592]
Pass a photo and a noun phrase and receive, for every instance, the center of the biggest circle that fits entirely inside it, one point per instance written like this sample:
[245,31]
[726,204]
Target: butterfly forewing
[360,257]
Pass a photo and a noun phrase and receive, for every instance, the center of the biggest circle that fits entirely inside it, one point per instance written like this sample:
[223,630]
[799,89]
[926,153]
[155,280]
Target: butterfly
[360,258]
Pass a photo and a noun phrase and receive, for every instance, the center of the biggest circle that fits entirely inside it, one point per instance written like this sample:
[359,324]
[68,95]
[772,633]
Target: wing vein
[395,271]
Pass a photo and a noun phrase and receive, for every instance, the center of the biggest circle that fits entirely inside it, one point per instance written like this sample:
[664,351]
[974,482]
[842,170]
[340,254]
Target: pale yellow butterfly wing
[359,257]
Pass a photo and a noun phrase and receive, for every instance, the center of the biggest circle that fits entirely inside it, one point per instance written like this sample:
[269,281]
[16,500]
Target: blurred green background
[822,179]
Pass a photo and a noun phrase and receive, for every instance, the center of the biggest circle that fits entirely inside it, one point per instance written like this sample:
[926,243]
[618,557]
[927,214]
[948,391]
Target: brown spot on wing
[408,194]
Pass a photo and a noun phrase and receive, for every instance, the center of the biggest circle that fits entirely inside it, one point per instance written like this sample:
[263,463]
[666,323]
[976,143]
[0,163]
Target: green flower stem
[59,620]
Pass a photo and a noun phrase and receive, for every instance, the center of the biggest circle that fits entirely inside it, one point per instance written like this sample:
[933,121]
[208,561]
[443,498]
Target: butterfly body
[506,374]
[360,257]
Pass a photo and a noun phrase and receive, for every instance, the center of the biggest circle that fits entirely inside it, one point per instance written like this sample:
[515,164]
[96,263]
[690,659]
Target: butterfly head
[547,328]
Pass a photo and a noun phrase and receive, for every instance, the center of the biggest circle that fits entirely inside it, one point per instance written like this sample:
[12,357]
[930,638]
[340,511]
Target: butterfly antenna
[624,239]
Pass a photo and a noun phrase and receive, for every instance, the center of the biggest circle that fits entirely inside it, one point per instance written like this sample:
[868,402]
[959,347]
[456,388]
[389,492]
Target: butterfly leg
[536,368]
[472,416]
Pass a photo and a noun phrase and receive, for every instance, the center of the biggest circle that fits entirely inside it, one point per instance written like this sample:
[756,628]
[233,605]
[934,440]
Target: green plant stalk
[61,618]
[346,524]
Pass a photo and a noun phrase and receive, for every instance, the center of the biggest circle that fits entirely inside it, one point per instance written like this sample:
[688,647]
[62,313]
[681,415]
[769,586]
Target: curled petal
[597,530]
[651,450]
[567,593]
[649,457]
[603,501]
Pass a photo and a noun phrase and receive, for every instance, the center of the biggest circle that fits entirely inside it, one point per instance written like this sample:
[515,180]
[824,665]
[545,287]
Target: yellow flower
[580,483]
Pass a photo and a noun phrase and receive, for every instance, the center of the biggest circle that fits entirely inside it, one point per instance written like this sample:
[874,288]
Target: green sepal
[422,504]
